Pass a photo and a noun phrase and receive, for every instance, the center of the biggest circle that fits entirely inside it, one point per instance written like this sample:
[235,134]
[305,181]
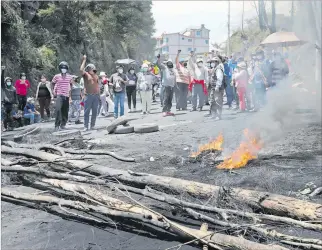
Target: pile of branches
[65,182]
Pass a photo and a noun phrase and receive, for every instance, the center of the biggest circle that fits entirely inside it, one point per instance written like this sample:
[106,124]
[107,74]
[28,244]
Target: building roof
[202,26]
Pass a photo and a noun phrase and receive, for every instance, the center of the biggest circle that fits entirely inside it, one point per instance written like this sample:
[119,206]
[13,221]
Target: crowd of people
[196,80]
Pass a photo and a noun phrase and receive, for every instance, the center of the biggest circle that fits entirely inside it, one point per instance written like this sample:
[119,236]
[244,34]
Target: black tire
[28,131]
[124,130]
[146,128]
[66,133]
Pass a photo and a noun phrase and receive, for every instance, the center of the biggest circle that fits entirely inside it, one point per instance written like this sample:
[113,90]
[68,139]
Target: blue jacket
[227,70]
[29,106]
[232,65]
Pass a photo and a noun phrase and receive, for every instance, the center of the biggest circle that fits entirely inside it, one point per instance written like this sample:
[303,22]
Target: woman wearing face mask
[8,101]
[199,83]
[118,81]
[44,96]
[131,89]
[22,85]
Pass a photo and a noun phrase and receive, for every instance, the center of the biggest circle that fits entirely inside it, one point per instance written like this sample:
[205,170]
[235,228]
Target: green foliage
[49,11]
[65,30]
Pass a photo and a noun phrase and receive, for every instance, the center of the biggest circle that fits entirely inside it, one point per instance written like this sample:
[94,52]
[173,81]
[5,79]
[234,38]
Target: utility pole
[243,16]
[228,40]
[292,14]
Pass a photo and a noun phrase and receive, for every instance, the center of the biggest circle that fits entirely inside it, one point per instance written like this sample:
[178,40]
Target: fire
[247,151]
[214,145]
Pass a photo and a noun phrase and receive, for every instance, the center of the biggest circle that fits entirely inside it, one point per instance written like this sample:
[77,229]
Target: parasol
[125,61]
[282,38]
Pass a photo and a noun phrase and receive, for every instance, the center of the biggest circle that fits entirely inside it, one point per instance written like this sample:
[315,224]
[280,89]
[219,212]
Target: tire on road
[146,128]
[124,130]
[28,131]
[67,133]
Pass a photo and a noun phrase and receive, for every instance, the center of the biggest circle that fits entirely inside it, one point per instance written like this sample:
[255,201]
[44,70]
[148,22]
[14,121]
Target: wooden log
[99,195]
[69,151]
[273,203]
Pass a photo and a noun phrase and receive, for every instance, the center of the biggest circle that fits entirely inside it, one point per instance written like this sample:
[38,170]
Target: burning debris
[247,150]
[213,146]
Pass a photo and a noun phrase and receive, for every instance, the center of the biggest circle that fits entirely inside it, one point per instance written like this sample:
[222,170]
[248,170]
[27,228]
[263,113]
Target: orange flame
[214,145]
[247,151]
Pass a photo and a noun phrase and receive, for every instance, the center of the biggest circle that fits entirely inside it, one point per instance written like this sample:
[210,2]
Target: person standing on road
[169,83]
[131,89]
[199,82]
[241,79]
[22,85]
[91,91]
[118,81]
[8,100]
[103,85]
[183,80]
[44,96]
[61,84]
[232,66]
[76,96]
[146,79]
[217,88]
[228,89]
[279,69]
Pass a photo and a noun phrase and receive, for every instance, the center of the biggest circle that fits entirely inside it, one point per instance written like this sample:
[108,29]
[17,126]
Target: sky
[175,16]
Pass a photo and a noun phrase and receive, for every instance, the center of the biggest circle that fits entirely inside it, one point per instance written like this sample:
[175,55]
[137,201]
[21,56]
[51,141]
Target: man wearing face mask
[61,84]
[199,82]
[8,100]
[22,85]
[169,83]
[217,87]
[118,81]
[92,93]
[183,80]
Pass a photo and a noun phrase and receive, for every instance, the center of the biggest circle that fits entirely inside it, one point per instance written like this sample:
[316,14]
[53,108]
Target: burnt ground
[290,159]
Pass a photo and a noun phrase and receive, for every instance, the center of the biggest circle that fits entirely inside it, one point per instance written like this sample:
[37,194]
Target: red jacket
[22,89]
[202,82]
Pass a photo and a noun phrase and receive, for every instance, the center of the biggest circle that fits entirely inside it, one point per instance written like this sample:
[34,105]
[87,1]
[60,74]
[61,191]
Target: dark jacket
[131,78]
[9,95]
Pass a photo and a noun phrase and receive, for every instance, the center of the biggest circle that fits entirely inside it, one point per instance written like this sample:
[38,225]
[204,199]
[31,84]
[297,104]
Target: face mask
[120,71]
[23,78]
[8,84]
[132,72]
[200,64]
[32,102]
[185,65]
[212,65]
[144,69]
[64,71]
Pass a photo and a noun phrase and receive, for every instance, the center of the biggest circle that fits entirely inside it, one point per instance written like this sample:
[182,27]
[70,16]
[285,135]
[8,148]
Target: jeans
[32,117]
[131,96]
[44,103]
[168,96]
[197,92]
[161,94]
[119,101]
[229,92]
[181,95]
[62,107]
[91,104]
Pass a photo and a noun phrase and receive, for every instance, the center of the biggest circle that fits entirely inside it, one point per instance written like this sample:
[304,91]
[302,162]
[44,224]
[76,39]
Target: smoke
[290,107]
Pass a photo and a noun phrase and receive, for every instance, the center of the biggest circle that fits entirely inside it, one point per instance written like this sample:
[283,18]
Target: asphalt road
[290,158]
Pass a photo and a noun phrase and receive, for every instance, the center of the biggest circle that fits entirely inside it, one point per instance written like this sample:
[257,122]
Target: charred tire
[124,130]
[67,133]
[28,131]
[146,128]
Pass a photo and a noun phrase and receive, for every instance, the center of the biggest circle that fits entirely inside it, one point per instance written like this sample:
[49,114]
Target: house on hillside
[191,39]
